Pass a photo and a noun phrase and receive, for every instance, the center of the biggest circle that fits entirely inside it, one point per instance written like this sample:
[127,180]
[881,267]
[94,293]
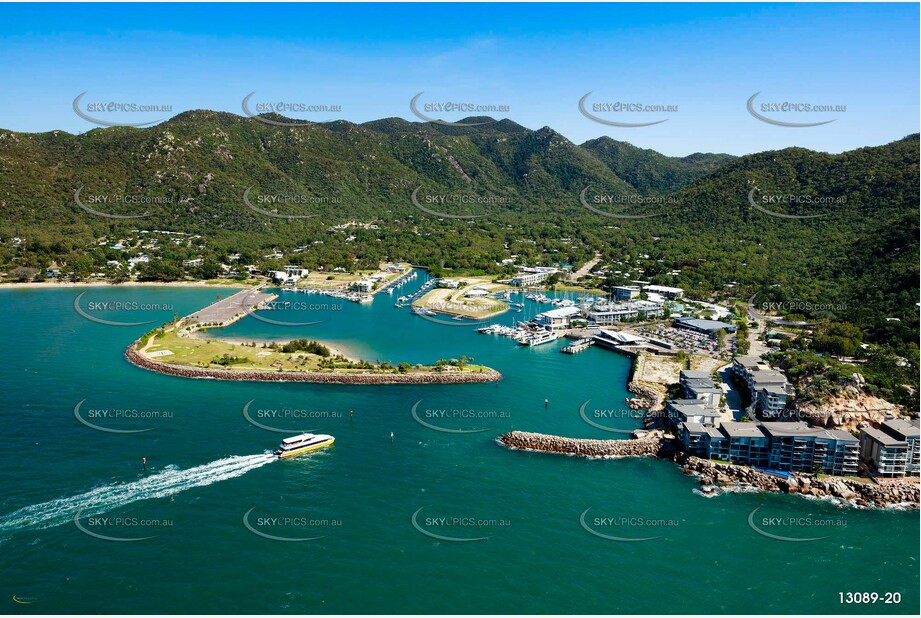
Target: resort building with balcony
[768,388]
[691,411]
[893,450]
[783,446]
[532,275]
[748,443]
[663,290]
[797,447]
[625,292]
[700,385]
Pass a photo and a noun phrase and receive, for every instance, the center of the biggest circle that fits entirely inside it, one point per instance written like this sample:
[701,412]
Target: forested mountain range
[714,224]
[651,172]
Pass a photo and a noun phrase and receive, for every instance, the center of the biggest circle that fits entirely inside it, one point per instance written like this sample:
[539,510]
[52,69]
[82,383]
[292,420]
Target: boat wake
[107,497]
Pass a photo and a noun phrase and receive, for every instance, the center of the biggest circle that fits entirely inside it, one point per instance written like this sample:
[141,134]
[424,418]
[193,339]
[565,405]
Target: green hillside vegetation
[857,263]
[650,172]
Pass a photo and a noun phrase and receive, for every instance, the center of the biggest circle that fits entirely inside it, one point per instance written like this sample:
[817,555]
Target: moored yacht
[305,442]
[422,311]
[538,338]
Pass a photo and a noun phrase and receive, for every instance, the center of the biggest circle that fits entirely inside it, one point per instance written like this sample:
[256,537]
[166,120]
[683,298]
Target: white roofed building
[557,318]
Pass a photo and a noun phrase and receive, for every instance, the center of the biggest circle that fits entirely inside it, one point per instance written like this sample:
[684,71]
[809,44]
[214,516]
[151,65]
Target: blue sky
[537,59]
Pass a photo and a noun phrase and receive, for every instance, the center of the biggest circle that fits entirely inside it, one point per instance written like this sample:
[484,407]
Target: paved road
[227,308]
[756,347]
[733,397]
[586,268]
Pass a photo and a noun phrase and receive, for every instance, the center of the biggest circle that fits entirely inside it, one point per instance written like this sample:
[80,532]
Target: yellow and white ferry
[304,443]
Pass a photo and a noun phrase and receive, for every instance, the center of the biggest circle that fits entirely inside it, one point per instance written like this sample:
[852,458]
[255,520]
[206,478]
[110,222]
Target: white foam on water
[101,499]
[707,491]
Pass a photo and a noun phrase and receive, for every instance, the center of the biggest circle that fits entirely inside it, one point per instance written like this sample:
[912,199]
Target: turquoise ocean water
[373,510]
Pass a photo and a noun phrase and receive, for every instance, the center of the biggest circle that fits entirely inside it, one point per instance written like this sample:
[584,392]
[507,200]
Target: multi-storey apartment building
[790,447]
[892,450]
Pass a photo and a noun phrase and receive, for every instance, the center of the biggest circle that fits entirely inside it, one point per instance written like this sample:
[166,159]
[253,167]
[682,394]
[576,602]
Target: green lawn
[200,351]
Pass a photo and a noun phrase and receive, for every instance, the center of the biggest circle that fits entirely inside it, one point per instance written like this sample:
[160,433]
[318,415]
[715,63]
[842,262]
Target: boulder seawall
[653,444]
[714,474]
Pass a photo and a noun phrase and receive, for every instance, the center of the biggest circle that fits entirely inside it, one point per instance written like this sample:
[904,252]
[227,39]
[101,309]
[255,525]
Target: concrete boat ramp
[228,310]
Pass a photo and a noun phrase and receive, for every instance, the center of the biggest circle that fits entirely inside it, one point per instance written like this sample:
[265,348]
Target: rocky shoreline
[714,476]
[651,444]
[138,359]
[647,398]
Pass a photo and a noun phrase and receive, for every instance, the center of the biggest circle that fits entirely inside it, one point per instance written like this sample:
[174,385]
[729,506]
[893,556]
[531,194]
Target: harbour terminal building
[705,327]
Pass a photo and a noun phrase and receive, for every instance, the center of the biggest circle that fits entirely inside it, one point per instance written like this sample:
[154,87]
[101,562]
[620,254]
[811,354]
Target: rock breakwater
[652,444]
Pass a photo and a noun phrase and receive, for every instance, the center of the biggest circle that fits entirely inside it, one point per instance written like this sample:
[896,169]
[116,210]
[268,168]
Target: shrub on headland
[305,345]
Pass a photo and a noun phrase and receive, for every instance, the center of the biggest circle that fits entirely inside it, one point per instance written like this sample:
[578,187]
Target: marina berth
[579,345]
[423,311]
[538,338]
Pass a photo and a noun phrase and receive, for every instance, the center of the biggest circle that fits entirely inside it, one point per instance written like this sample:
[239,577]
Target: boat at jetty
[538,338]
[303,443]
[503,331]
[423,311]
[577,346]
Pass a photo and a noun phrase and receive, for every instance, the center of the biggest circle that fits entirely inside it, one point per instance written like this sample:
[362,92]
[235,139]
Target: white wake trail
[108,497]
